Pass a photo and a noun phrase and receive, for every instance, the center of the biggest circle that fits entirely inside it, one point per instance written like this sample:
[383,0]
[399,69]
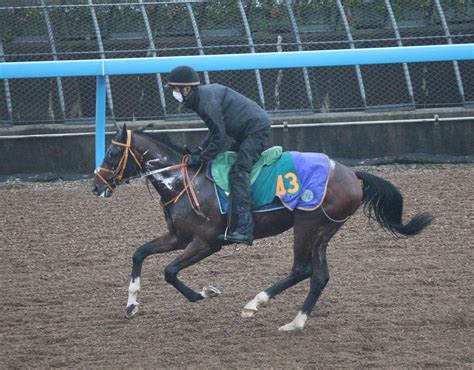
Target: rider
[226,113]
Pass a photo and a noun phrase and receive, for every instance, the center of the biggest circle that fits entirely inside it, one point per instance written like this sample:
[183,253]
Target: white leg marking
[252,307]
[296,324]
[133,290]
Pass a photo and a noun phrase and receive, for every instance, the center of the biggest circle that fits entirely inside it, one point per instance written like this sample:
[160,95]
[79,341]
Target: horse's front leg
[196,251]
[163,244]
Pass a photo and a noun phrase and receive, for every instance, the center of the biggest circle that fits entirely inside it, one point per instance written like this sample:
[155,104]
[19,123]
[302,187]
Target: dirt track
[66,260]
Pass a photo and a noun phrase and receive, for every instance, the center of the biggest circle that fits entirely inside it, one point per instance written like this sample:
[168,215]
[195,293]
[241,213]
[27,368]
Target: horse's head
[119,165]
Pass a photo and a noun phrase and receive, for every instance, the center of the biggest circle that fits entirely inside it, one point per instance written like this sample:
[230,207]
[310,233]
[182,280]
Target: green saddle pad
[266,177]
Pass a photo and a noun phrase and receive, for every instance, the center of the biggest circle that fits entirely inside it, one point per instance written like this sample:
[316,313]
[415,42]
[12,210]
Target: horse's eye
[113,153]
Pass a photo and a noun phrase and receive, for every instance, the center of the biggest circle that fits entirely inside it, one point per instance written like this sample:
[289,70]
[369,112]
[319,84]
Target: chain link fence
[34,30]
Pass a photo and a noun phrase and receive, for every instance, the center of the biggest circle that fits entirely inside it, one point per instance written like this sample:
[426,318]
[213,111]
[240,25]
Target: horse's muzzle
[105,193]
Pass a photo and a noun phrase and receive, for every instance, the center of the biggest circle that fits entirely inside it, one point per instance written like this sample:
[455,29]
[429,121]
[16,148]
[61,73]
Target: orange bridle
[120,170]
[118,173]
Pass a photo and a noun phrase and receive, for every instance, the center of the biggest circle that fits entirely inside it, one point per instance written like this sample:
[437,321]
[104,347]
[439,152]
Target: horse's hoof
[290,327]
[248,312]
[210,292]
[132,310]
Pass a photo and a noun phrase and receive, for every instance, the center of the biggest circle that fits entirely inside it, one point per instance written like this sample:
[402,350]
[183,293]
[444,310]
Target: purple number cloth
[312,170]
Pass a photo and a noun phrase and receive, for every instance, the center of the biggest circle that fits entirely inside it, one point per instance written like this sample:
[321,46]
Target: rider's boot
[239,219]
[243,230]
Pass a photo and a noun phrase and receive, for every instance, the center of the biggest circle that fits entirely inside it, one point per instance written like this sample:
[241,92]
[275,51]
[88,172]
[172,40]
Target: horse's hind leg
[163,244]
[302,269]
[318,280]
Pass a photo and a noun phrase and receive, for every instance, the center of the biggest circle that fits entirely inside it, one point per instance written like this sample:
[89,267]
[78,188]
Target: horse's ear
[124,133]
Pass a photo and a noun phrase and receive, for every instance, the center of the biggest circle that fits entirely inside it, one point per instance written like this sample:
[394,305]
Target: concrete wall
[351,142]
[382,140]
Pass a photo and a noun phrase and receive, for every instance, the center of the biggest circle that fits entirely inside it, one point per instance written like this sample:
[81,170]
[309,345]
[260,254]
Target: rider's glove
[195,159]
[187,150]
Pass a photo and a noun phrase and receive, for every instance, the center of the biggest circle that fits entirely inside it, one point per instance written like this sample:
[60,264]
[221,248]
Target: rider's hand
[187,150]
[195,160]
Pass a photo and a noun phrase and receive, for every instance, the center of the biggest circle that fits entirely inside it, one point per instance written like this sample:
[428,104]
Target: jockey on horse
[226,113]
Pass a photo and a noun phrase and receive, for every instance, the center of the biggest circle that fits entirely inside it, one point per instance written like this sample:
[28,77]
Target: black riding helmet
[183,76]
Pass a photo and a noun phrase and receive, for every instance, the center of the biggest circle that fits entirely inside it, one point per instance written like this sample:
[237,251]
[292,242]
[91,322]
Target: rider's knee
[237,169]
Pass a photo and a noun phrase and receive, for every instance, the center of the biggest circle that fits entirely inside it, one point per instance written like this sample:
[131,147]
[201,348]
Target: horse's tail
[383,202]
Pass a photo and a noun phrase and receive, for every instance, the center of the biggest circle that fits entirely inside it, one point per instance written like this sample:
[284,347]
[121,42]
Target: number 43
[292,189]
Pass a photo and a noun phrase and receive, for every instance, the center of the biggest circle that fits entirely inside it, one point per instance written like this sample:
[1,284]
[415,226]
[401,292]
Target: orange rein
[188,184]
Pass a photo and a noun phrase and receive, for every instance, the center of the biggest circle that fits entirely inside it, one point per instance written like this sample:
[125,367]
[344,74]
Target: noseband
[120,170]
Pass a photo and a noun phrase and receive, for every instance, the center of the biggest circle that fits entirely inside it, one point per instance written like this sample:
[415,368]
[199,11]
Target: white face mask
[177,95]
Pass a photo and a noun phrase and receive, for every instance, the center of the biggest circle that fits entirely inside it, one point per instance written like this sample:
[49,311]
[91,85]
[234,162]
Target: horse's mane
[163,138]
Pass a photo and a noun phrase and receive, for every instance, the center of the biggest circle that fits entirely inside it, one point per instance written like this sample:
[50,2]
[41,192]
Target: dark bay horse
[195,229]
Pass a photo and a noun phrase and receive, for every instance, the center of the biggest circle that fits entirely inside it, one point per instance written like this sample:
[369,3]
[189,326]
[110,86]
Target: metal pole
[296,32]
[406,71]
[101,92]
[252,50]
[149,33]
[197,36]
[279,76]
[232,62]
[457,72]
[55,57]
[351,44]
[102,55]
[6,85]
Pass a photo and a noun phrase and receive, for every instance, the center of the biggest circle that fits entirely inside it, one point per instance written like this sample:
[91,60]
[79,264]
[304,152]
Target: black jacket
[226,112]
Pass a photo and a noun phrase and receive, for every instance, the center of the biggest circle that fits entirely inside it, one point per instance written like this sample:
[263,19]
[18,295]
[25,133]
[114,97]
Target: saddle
[279,179]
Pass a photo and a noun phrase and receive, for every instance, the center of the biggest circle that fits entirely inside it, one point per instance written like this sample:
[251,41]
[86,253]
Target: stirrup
[236,237]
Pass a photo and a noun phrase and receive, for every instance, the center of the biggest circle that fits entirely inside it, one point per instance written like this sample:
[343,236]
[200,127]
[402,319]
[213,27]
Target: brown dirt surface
[66,262]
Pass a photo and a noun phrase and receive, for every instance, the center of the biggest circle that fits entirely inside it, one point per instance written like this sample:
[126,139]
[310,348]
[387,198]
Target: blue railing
[324,58]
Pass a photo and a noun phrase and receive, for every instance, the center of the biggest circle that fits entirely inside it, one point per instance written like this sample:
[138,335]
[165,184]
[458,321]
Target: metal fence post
[197,36]
[252,50]
[6,86]
[52,44]
[149,33]
[406,71]
[457,72]
[101,92]
[352,46]
[102,55]
[296,32]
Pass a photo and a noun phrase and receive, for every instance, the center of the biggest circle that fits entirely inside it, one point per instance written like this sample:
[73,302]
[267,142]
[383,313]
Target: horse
[194,221]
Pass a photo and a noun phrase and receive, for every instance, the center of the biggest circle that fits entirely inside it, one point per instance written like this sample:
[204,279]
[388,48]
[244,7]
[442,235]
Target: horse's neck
[155,156]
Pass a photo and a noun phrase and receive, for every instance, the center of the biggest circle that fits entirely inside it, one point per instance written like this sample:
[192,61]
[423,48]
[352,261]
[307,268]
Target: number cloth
[299,180]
